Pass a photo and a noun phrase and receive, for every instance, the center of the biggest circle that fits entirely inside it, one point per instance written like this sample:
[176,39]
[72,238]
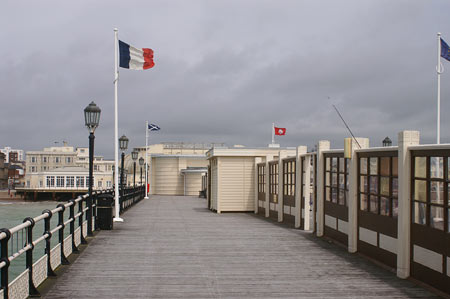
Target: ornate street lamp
[91,120]
[141,162]
[134,155]
[123,145]
[387,141]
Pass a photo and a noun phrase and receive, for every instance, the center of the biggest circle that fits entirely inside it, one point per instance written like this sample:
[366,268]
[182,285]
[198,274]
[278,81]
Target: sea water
[13,213]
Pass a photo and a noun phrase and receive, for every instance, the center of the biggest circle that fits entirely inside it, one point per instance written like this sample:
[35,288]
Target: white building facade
[6,150]
[66,168]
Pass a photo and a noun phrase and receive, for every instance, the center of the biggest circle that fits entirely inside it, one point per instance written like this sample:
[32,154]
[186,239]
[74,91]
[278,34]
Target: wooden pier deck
[173,247]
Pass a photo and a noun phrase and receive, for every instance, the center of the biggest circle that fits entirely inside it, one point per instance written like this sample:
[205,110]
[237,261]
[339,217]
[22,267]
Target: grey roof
[194,170]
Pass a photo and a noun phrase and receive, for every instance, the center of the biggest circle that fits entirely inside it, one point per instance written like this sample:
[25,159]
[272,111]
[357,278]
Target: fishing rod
[354,138]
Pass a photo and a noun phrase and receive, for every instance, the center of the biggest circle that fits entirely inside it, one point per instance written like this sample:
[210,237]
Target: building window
[33,159]
[68,160]
[87,182]
[336,182]
[28,184]
[378,185]
[273,178]
[70,181]
[41,184]
[430,198]
[261,178]
[80,181]
[50,181]
[82,150]
[59,181]
[100,184]
[289,177]
[44,168]
[44,159]
[57,159]
[108,184]
[33,169]
[81,159]
[96,168]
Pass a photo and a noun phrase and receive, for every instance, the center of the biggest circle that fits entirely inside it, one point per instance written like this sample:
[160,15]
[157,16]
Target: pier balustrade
[289,177]
[391,204]
[273,189]
[261,188]
[430,211]
[336,196]
[378,204]
[17,241]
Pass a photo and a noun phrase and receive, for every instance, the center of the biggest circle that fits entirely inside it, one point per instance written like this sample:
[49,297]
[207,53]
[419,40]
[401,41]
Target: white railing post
[322,146]
[281,156]
[307,193]
[267,182]
[352,200]
[405,139]
[257,161]
[301,150]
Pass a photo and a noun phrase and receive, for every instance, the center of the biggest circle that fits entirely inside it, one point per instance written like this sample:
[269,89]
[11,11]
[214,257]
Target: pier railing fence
[388,203]
[64,229]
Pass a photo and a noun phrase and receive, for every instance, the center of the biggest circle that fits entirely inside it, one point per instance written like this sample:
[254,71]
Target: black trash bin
[105,204]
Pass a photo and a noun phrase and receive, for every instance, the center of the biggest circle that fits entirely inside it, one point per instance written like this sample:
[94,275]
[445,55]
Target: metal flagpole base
[117,219]
[146,197]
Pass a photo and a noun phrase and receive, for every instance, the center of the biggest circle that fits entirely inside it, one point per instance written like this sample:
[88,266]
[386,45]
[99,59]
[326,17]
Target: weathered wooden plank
[173,247]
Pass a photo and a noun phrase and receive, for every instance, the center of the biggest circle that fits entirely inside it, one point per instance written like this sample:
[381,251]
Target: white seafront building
[65,168]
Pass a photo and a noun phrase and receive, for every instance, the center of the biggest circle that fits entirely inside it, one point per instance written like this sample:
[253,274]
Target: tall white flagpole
[116,131]
[146,159]
[438,129]
[273,133]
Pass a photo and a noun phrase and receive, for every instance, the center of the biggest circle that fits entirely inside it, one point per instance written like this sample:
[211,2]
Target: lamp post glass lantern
[123,144]
[387,141]
[91,120]
[92,116]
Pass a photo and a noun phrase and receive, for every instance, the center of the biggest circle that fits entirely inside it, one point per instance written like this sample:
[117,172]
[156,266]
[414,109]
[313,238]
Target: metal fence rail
[19,240]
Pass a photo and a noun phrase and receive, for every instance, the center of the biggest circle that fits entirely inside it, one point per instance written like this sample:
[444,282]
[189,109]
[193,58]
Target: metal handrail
[130,197]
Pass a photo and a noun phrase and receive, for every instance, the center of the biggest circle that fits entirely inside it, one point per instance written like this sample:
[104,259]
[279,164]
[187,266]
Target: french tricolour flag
[134,58]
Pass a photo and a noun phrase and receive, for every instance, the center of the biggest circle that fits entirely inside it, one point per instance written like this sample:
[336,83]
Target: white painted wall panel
[428,258]
[388,243]
[293,211]
[167,177]
[330,221]
[214,184]
[343,226]
[193,183]
[448,266]
[193,162]
[237,177]
[368,236]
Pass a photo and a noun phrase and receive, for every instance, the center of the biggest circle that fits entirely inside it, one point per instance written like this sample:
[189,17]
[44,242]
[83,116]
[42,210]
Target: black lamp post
[114,174]
[387,141]
[91,120]
[134,155]
[141,162]
[123,145]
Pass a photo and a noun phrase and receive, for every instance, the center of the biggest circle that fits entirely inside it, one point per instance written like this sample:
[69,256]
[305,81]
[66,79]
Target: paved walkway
[173,247]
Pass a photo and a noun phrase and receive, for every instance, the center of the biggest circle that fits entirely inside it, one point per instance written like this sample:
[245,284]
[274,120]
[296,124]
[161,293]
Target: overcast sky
[225,70]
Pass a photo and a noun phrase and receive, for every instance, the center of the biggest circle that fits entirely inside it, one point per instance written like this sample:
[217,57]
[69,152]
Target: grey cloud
[225,70]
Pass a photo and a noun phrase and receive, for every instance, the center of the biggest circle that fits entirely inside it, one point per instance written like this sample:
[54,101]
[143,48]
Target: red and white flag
[280,131]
